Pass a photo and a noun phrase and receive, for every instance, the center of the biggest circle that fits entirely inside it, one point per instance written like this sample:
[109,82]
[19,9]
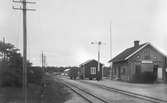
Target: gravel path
[111,96]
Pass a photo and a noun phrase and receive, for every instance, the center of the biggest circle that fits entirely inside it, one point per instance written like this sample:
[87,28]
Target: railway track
[88,96]
[128,93]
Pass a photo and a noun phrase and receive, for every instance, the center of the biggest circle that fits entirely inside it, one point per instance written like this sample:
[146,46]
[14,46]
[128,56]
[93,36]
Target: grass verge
[52,92]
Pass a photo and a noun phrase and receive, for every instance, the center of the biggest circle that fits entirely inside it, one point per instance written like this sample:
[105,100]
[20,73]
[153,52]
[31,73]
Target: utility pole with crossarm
[43,57]
[24,9]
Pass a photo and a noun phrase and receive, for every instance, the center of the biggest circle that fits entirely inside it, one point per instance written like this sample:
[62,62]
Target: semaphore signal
[99,43]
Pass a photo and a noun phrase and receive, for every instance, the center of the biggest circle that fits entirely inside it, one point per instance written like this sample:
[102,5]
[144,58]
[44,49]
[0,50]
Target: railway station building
[140,63]
[89,70]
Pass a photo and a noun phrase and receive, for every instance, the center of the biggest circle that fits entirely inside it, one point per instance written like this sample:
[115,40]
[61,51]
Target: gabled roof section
[127,53]
[88,61]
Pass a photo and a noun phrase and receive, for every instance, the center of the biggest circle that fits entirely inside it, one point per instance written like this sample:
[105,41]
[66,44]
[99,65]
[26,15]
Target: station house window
[93,70]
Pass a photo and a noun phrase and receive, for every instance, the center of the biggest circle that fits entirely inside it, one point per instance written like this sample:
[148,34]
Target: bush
[10,76]
[35,75]
[13,77]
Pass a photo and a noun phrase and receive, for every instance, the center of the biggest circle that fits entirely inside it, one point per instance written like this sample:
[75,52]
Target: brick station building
[140,63]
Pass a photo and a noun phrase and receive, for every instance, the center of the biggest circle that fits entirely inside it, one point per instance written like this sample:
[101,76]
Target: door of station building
[155,72]
[159,73]
[119,72]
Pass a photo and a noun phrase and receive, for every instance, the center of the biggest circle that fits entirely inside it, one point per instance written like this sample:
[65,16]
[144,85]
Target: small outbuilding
[89,69]
[73,73]
[140,63]
[66,71]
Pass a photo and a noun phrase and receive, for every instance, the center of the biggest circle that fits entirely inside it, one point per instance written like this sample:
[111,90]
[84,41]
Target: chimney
[136,43]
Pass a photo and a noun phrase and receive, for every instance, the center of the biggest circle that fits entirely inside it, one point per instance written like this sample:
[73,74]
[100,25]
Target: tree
[11,67]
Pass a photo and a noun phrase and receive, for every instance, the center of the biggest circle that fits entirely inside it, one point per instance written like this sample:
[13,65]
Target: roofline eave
[137,51]
[119,61]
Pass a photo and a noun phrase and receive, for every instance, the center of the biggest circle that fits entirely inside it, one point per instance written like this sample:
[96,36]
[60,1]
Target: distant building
[73,73]
[66,71]
[89,69]
[140,63]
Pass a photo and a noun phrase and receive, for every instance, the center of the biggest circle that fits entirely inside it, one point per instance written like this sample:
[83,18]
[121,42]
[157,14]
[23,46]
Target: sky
[64,29]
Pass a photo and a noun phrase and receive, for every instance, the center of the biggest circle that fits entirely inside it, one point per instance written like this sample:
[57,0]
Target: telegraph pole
[45,63]
[111,70]
[24,10]
[4,48]
[42,60]
[43,56]
[4,40]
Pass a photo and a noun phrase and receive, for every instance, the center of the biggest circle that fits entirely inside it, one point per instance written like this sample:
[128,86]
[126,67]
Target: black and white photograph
[83,51]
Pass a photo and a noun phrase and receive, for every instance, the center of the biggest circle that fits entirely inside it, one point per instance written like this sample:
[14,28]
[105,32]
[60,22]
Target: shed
[66,71]
[89,69]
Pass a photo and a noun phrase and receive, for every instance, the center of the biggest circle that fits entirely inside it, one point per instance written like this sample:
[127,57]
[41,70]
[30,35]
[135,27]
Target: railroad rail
[131,94]
[88,96]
